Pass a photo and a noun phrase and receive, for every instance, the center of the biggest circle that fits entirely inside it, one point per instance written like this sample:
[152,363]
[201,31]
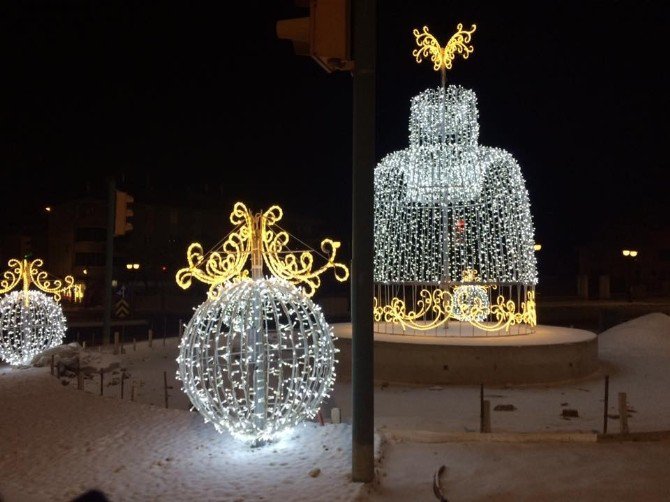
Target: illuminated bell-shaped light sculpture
[32,321]
[453,228]
[28,328]
[257,357]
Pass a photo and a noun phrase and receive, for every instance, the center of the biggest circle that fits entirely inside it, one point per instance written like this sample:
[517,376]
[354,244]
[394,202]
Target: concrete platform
[550,354]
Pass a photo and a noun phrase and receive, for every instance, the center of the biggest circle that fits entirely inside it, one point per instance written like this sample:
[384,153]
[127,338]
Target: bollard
[165,385]
[80,380]
[83,347]
[606,403]
[116,342]
[123,377]
[134,345]
[52,364]
[481,407]
[132,390]
[486,422]
[101,381]
[623,413]
[151,336]
[335,416]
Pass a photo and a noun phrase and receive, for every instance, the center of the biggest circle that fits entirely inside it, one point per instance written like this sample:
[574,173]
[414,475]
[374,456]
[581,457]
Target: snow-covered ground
[57,442]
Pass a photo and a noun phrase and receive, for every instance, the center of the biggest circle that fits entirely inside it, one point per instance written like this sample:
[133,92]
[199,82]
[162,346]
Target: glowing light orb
[471,303]
[257,359]
[28,328]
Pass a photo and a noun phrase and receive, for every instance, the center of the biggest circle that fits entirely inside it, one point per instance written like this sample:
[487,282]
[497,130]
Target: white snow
[57,442]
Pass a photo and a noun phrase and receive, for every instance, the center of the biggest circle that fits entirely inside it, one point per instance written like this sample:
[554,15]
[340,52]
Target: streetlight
[537,246]
[629,253]
[48,209]
[133,266]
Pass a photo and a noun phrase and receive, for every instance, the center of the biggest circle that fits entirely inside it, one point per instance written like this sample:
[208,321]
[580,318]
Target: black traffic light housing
[324,35]
[124,211]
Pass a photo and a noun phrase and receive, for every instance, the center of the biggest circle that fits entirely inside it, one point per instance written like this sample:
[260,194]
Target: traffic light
[324,35]
[124,211]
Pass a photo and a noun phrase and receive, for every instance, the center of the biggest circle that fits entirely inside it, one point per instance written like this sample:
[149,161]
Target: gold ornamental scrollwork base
[439,305]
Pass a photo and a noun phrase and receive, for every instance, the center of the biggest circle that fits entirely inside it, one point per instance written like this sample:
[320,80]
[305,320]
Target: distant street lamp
[537,247]
[629,253]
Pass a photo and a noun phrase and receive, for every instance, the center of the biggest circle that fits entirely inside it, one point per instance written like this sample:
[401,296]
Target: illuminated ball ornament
[30,323]
[258,359]
[258,356]
[470,303]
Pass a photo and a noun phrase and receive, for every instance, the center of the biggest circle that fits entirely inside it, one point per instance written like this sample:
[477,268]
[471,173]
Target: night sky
[576,90]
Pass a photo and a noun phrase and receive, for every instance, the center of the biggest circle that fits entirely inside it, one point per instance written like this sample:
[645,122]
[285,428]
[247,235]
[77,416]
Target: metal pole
[481,407]
[606,403]
[109,260]
[364,44]
[165,388]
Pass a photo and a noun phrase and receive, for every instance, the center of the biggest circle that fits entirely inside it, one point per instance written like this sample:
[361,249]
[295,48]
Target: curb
[634,436]
[417,436]
[490,437]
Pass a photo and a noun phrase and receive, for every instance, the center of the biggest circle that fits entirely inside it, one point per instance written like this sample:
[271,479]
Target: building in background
[627,262]
[147,258]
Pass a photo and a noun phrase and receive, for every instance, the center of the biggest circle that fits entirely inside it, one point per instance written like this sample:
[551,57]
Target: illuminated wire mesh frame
[257,359]
[453,229]
[30,323]
[258,356]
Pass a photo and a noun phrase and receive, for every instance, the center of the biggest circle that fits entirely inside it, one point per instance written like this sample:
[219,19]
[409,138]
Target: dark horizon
[576,92]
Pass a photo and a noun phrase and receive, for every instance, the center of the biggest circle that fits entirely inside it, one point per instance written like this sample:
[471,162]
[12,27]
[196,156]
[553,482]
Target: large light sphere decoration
[257,359]
[30,323]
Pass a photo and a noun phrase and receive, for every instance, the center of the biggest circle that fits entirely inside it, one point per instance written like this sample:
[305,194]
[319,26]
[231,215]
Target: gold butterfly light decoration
[442,57]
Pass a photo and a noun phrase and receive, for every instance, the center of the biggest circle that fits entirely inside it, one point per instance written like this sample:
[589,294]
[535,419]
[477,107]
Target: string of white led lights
[258,359]
[29,326]
[446,204]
